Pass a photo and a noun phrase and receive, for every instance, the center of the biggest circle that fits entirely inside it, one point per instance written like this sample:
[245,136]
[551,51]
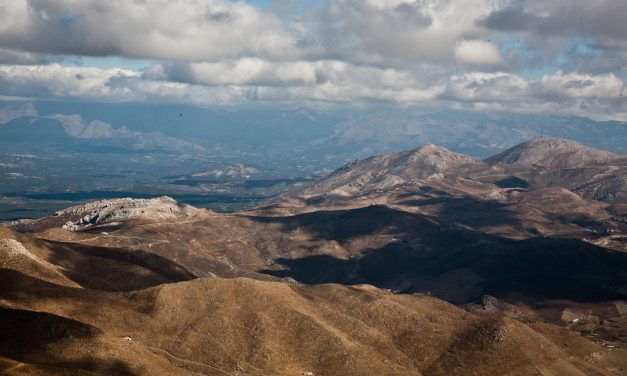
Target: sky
[559,56]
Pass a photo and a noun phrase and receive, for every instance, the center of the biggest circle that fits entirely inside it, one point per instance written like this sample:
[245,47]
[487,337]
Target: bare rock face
[107,211]
[554,153]
[550,162]
[75,126]
[98,129]
[389,170]
[237,170]
[13,112]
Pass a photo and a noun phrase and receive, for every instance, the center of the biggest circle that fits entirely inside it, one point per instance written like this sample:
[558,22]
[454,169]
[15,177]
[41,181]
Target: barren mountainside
[248,326]
[424,262]
[385,171]
[554,153]
[313,188]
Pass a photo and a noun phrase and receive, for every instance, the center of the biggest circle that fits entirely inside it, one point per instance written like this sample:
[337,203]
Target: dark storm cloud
[602,19]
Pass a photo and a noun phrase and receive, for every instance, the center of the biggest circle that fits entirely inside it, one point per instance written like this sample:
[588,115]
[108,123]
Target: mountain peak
[429,149]
[556,153]
[388,170]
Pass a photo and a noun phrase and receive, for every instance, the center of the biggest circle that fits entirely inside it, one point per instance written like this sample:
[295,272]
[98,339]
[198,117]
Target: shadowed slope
[76,264]
[456,264]
[225,326]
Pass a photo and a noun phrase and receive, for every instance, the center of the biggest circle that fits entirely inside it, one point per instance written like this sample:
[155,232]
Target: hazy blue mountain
[224,125]
[479,134]
[8,113]
[328,137]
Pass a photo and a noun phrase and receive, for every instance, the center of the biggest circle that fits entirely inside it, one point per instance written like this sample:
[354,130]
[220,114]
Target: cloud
[570,34]
[189,30]
[397,32]
[16,57]
[601,18]
[480,86]
[356,31]
[520,55]
[56,81]
[478,52]
[576,85]
[324,80]
[257,72]
[506,87]
[319,82]
[595,96]
[238,82]
[390,33]
[245,71]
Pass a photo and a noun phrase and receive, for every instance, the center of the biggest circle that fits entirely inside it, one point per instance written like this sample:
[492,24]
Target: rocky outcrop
[108,211]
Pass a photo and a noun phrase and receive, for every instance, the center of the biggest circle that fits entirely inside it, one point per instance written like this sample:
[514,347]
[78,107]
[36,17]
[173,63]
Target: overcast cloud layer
[561,56]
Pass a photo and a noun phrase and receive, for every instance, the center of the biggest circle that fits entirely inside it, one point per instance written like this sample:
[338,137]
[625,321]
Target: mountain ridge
[388,170]
[454,268]
[556,153]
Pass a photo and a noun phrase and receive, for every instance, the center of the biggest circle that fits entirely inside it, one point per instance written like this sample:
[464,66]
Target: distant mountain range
[479,134]
[328,138]
[22,124]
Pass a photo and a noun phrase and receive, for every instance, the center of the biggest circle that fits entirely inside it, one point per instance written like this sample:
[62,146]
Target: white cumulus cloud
[478,52]
[577,85]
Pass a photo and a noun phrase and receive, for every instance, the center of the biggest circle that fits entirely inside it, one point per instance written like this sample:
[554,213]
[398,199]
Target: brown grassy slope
[393,248]
[213,326]
[378,245]
[76,264]
[221,326]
